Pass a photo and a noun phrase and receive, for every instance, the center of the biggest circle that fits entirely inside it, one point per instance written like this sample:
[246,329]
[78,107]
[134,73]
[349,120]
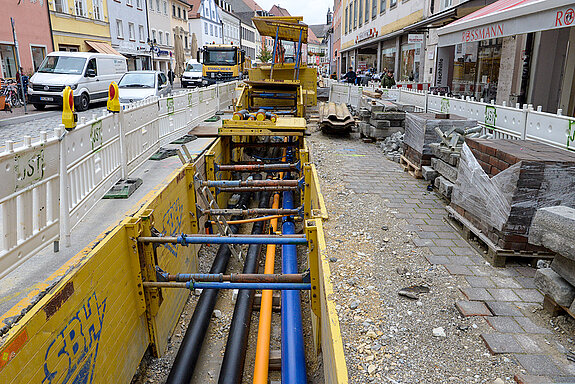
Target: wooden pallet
[410,167]
[554,309]
[480,242]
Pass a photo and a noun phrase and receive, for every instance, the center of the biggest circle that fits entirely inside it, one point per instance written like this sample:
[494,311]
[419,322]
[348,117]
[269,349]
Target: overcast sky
[313,11]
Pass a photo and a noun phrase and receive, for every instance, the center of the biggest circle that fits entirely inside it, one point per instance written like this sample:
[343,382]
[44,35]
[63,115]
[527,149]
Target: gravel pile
[392,146]
[388,337]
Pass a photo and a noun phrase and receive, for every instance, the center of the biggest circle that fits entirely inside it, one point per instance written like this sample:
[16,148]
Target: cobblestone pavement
[502,301]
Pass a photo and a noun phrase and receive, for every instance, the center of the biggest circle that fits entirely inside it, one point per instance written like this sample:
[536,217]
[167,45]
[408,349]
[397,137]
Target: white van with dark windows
[88,74]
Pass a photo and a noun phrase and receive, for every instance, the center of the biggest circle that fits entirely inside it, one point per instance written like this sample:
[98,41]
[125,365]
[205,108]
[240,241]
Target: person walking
[387,80]
[171,77]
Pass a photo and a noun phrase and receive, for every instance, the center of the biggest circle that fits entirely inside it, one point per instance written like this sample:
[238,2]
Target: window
[355,14]
[206,28]
[158,6]
[345,18]
[383,6]
[185,14]
[129,3]
[119,29]
[174,10]
[131,32]
[392,3]
[67,48]
[153,35]
[139,4]
[80,7]
[98,10]
[186,42]
[366,11]
[179,12]
[211,30]
[165,7]
[167,38]
[160,37]
[38,55]
[350,17]
[360,13]
[60,6]
[151,5]
[446,3]
[141,33]
[374,9]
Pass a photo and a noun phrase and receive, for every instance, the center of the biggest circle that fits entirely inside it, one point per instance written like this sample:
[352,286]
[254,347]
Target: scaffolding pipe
[293,369]
[257,167]
[217,286]
[246,277]
[245,221]
[256,189]
[250,183]
[264,326]
[251,212]
[189,351]
[232,367]
[185,240]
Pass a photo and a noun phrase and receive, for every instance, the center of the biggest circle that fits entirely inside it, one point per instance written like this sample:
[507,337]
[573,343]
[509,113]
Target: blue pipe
[273,286]
[185,240]
[292,347]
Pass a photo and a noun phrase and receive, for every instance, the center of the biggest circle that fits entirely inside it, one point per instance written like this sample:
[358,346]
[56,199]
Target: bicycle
[10,92]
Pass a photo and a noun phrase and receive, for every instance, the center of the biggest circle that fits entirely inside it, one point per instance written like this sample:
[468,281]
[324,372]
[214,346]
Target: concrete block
[405,107]
[388,115]
[364,128]
[549,282]
[445,186]
[565,268]
[554,228]
[379,123]
[382,133]
[429,174]
[445,170]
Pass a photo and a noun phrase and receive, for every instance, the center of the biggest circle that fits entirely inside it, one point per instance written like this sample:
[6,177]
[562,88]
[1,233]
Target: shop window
[382,6]
[410,62]
[488,61]
[38,55]
[388,59]
[8,61]
[373,9]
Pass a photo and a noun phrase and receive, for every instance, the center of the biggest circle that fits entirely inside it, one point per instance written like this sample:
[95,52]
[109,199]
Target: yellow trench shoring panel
[288,28]
[96,323]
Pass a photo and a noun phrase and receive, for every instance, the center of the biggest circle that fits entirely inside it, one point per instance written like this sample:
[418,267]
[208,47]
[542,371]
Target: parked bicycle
[11,93]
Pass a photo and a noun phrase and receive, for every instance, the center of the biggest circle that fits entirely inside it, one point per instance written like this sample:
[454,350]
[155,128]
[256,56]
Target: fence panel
[551,129]
[414,98]
[141,129]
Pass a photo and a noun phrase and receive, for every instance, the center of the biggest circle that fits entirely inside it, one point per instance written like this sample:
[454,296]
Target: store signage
[415,38]
[564,18]
[484,33]
[367,34]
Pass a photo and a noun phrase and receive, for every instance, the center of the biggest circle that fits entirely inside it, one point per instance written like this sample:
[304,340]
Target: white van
[88,74]
[193,74]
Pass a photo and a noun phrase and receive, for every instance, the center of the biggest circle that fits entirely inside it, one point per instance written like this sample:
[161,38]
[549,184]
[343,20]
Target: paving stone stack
[554,228]
[381,118]
[502,183]
[420,133]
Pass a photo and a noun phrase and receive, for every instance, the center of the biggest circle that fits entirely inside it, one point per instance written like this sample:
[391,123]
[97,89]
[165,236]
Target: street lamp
[153,44]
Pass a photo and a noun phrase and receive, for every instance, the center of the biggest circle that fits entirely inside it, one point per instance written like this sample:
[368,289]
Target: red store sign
[488,32]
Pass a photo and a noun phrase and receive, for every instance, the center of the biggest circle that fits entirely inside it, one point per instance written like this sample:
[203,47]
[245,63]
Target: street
[14,126]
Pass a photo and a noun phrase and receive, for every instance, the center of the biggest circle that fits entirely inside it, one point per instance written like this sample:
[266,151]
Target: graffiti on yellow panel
[173,222]
[71,355]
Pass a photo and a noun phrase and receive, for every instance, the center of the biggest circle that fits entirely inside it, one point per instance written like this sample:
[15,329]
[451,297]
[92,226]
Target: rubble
[392,146]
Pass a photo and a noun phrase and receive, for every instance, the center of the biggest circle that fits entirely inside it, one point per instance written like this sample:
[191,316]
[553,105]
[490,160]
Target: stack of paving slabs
[442,172]
[554,228]
[381,118]
[421,130]
[335,118]
[502,183]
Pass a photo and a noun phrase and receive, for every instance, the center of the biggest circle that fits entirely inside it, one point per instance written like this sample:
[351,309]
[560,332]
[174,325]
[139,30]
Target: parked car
[139,85]
[193,74]
[88,74]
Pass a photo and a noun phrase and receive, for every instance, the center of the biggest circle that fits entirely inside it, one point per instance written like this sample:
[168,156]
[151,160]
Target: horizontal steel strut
[257,167]
[238,277]
[250,212]
[217,239]
[250,183]
[280,144]
[256,189]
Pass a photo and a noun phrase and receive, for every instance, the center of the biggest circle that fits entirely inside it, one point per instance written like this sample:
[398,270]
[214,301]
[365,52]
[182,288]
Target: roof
[245,6]
[312,38]
[507,18]
[193,12]
[279,11]
[320,30]
[288,28]
[245,17]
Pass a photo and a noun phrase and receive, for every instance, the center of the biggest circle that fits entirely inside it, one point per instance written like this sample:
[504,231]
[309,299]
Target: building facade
[129,31]
[230,23]
[159,32]
[34,43]
[206,23]
[248,35]
[180,35]
[80,25]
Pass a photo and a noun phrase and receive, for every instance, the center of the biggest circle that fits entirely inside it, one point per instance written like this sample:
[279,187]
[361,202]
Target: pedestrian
[171,77]
[387,81]
[350,76]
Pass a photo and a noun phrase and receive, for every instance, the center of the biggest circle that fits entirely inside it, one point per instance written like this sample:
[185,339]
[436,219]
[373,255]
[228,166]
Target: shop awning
[508,18]
[102,47]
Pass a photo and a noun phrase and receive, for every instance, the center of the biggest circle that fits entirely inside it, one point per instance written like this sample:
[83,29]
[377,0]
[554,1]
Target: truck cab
[222,63]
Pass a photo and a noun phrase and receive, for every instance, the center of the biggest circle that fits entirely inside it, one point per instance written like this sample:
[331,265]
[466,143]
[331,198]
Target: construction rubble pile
[392,146]
[552,228]
[442,172]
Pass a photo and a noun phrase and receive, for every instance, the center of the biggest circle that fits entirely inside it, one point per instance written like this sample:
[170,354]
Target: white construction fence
[48,186]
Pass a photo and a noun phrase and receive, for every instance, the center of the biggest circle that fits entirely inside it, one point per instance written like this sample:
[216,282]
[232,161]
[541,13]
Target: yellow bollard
[69,117]
[113,98]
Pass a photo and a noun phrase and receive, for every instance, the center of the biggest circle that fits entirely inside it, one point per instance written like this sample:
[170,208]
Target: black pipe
[189,352]
[234,357]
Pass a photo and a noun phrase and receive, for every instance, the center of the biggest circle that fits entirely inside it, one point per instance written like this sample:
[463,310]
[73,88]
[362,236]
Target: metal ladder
[207,198]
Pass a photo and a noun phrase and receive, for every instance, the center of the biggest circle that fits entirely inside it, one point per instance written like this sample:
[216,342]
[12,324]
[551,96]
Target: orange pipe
[244,221]
[264,327]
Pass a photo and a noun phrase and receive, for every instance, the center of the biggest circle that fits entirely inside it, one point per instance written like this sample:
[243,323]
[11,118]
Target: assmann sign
[367,34]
